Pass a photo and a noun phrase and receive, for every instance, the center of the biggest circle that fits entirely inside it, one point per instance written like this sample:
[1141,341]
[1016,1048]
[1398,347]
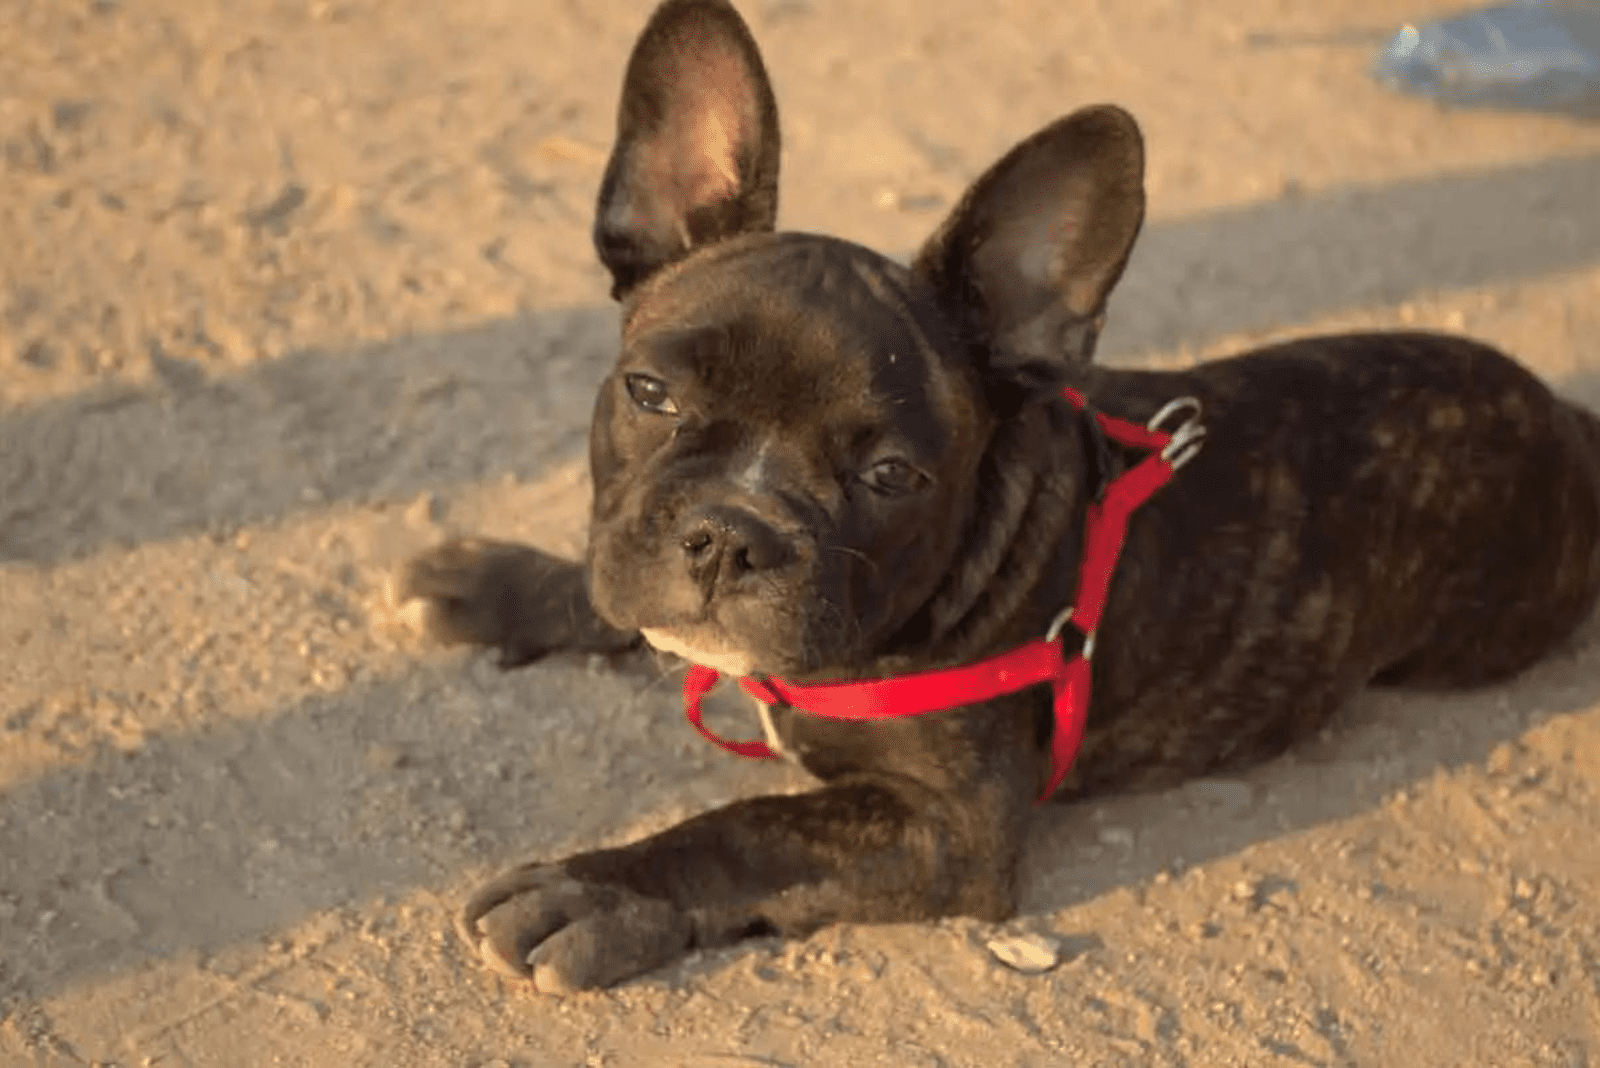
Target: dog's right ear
[696,158]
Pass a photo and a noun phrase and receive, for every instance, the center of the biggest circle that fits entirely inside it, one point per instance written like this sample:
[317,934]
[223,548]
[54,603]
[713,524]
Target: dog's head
[787,456]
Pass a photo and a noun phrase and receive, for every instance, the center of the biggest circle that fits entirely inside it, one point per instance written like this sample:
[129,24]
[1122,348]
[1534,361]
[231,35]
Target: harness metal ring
[1057,623]
[1087,649]
[1185,440]
[1172,407]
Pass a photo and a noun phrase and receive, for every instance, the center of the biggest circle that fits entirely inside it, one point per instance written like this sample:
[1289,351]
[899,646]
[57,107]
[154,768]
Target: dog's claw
[505,945]
[538,922]
[495,960]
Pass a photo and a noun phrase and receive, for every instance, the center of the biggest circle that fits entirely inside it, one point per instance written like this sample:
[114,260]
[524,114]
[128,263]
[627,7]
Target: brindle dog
[813,463]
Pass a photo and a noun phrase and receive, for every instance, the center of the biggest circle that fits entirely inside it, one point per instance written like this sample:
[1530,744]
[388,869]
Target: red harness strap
[1038,661]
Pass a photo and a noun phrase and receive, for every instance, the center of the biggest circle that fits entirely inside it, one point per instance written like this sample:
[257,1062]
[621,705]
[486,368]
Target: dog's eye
[650,393]
[894,476]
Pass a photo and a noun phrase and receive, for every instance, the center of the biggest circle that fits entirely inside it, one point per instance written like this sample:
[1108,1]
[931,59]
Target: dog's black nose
[725,544]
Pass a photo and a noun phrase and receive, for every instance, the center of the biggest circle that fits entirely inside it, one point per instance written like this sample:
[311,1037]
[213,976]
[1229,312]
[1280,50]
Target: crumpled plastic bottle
[1529,55]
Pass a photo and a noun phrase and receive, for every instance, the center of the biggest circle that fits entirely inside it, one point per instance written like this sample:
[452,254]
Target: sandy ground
[291,288]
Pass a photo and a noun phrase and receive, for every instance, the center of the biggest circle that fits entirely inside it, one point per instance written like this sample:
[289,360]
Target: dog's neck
[1017,562]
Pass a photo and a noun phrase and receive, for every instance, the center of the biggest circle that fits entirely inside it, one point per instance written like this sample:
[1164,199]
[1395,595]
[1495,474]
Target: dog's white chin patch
[726,661]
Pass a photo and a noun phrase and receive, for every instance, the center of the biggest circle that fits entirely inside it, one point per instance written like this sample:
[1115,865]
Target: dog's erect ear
[696,158]
[1028,256]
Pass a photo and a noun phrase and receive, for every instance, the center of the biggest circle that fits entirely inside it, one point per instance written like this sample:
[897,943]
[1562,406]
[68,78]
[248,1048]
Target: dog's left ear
[1027,258]
[696,158]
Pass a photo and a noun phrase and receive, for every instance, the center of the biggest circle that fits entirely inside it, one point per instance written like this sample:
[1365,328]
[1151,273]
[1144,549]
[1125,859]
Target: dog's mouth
[791,625]
[705,644]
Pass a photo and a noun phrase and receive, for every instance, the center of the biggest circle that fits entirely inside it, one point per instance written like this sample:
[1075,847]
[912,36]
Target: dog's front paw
[513,598]
[567,934]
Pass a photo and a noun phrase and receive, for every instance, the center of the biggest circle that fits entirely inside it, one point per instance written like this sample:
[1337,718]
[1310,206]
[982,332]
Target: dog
[815,468]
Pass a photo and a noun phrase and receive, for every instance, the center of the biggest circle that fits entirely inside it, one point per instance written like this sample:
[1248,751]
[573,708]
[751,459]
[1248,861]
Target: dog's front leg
[867,849]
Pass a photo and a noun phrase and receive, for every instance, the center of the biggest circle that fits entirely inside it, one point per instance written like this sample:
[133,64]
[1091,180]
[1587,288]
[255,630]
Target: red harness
[1038,661]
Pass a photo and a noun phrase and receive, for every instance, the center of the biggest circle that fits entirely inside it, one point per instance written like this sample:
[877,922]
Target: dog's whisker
[856,553]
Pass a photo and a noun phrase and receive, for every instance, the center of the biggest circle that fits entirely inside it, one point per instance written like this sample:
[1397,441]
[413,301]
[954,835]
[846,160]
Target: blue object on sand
[1531,55]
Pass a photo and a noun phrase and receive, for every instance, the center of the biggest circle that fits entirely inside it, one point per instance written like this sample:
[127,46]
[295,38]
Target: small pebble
[1026,953]
[386,757]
